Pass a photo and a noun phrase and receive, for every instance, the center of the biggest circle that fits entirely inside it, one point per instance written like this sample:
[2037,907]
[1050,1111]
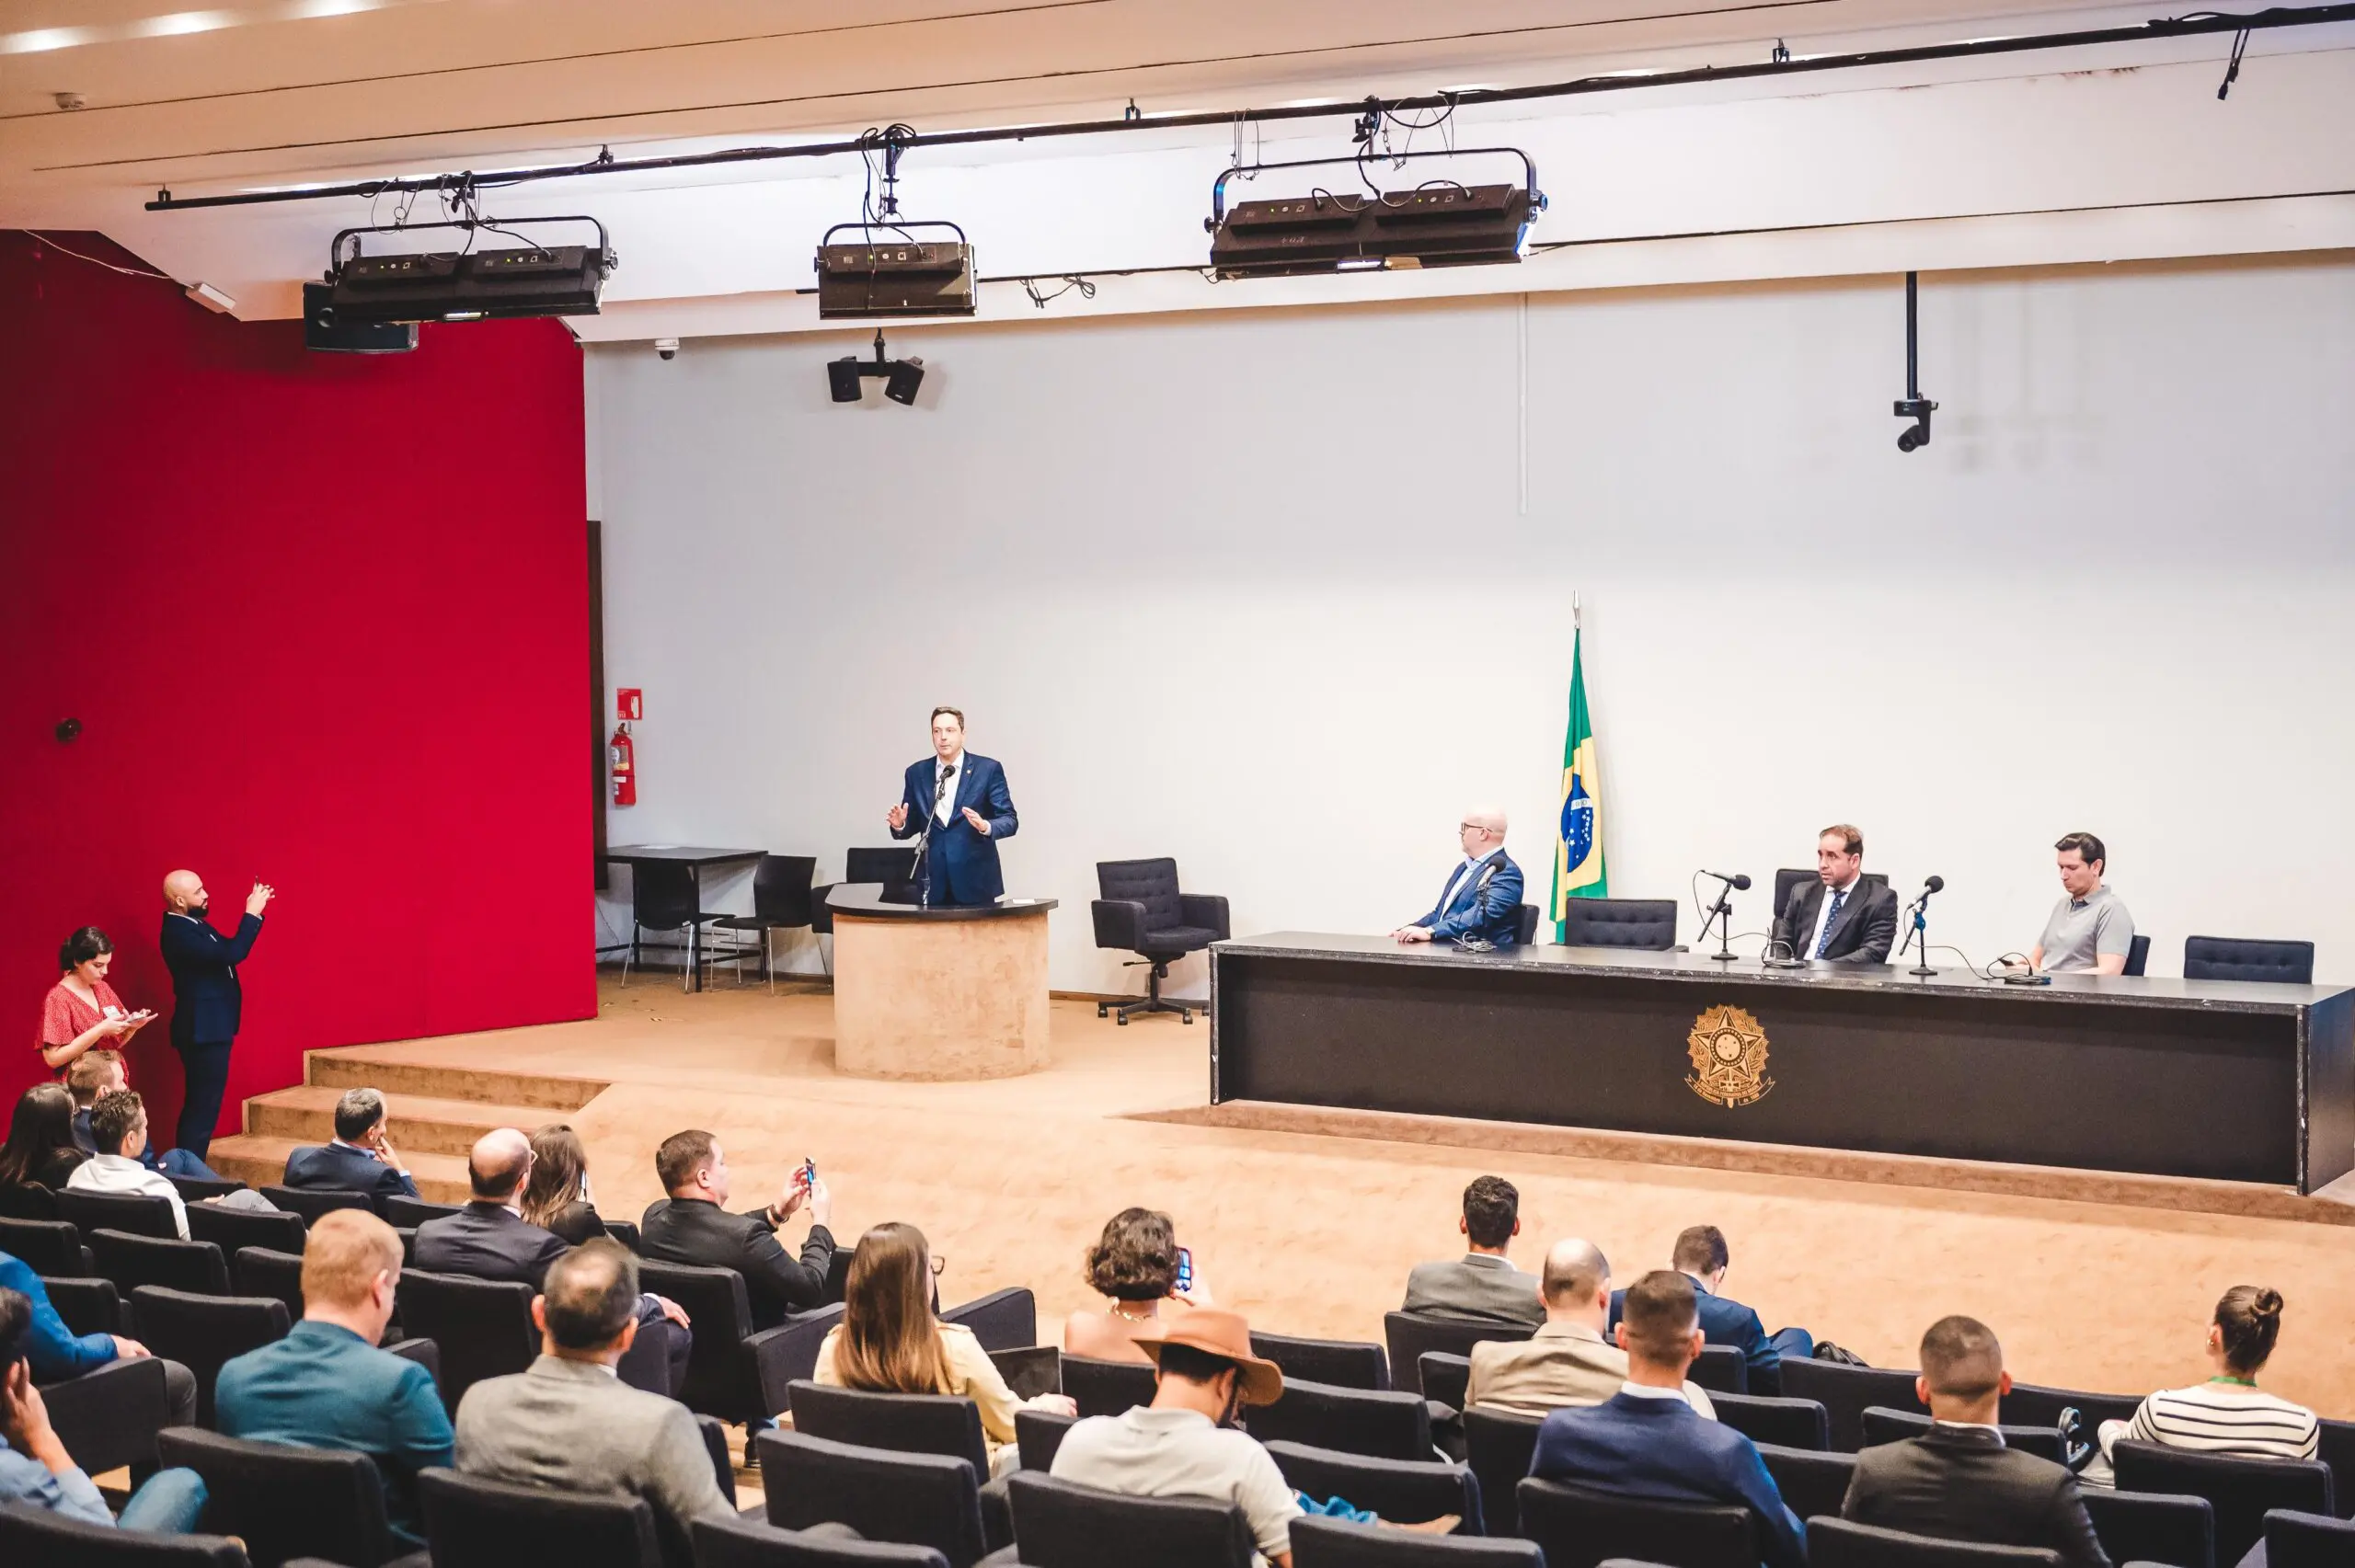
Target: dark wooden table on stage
[694,857]
[2228,1080]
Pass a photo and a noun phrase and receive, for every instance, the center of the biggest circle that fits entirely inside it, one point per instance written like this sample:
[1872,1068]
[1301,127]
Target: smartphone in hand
[1185,1271]
[809,1173]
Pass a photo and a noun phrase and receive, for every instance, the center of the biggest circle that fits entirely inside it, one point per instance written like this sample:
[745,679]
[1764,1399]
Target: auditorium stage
[1308,1220]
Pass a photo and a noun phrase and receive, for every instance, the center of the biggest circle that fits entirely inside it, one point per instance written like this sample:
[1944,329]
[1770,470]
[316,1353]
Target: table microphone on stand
[1722,912]
[1921,927]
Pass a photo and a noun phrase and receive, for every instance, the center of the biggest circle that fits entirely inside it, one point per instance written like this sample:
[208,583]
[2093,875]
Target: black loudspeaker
[322,332]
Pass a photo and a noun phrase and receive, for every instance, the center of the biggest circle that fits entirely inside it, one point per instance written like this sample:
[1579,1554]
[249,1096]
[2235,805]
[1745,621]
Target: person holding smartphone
[1136,1264]
[208,1003]
[82,1011]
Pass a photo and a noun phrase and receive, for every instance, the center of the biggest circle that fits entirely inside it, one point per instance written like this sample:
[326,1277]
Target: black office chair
[1720,1369]
[1787,1423]
[2138,955]
[1388,1425]
[1883,1425]
[405,1213]
[916,1498]
[1003,1320]
[483,1326]
[749,1543]
[1846,1391]
[313,1202]
[1408,1334]
[50,1248]
[1791,878]
[782,885]
[261,1271]
[1836,1543]
[664,896]
[1524,924]
[1106,1387]
[110,1415]
[1647,925]
[1143,913]
[1579,1527]
[1497,1445]
[893,867]
[1038,1433]
[36,1538]
[1343,1543]
[471,1523]
[1059,1524]
[732,1372]
[2241,1491]
[2152,1527]
[1406,1491]
[1813,1481]
[133,1261]
[202,1332]
[134,1214]
[1343,1363]
[230,1229]
[2247,958]
[2293,1539]
[285,1502]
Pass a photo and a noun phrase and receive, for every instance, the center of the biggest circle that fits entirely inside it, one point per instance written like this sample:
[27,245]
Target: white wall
[1254,589]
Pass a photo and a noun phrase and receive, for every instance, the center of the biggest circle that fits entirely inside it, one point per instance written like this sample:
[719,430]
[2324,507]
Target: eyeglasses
[939,1262]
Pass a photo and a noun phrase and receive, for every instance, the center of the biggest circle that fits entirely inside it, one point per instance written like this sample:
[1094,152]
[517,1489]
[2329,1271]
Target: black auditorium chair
[906,1424]
[37,1537]
[1791,877]
[135,1214]
[1408,1334]
[749,1543]
[133,1261]
[2033,1404]
[1846,1391]
[1059,1524]
[2337,1449]
[2295,1540]
[1003,1320]
[2240,1489]
[1343,1543]
[87,1305]
[1836,1543]
[50,1248]
[1347,1364]
[230,1229]
[2138,955]
[1787,1423]
[1813,1481]
[1646,924]
[313,1202]
[1388,1423]
[405,1213]
[1143,913]
[2246,958]
[27,1200]
[483,1327]
[666,897]
[2152,1527]
[1884,1425]
[732,1372]
[1106,1387]
[202,1332]
[262,1271]
[285,1502]
[110,1415]
[916,1499]
[1038,1433]
[1445,1379]
[1720,1369]
[781,890]
[1579,1527]
[1497,1445]
[1406,1491]
[471,1523]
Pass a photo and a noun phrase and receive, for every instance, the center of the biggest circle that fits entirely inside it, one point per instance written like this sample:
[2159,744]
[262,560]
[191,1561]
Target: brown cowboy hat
[1223,1335]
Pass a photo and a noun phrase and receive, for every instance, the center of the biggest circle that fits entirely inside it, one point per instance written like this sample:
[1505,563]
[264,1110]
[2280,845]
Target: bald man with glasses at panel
[1481,899]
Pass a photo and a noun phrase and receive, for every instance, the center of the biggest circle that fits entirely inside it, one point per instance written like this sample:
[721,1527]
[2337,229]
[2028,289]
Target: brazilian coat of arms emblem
[1728,1052]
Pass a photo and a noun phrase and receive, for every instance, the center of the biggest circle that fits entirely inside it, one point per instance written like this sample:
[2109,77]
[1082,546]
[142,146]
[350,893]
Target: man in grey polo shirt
[2090,932]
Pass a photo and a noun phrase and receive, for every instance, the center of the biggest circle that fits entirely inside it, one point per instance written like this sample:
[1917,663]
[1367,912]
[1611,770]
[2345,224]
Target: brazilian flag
[1577,850]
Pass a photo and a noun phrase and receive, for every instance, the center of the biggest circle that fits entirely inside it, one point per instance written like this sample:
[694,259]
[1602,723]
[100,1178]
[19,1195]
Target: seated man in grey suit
[359,1159]
[1959,1482]
[1567,1361]
[1482,1286]
[568,1422]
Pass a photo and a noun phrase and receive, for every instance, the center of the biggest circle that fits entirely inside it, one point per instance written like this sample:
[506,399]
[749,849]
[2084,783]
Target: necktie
[1830,920]
[940,796]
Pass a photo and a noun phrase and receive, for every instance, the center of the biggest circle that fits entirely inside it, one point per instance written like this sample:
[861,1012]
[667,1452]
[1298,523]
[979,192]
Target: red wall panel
[323,620]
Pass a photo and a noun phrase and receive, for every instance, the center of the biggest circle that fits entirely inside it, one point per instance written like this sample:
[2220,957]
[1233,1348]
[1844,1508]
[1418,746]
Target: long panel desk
[2225,1080]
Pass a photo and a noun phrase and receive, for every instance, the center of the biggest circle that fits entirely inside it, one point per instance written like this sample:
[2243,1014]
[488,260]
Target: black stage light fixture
[1913,405]
[887,270]
[466,285]
[1439,223]
[900,378]
[327,333]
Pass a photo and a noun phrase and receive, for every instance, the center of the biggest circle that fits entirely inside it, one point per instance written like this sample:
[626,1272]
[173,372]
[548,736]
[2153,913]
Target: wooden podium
[941,993]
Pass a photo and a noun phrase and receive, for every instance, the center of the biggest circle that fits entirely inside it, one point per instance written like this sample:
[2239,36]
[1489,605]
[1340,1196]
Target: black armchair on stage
[2244,958]
[1646,924]
[1143,913]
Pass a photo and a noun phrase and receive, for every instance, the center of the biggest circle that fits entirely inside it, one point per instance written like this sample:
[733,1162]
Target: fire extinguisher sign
[629,704]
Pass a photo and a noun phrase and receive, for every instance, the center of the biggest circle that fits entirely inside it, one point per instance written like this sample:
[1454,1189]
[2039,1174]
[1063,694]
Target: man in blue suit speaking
[1482,897]
[962,799]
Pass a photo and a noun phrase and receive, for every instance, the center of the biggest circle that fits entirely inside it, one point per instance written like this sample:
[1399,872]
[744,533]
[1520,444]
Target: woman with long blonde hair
[889,1341]
[555,1197]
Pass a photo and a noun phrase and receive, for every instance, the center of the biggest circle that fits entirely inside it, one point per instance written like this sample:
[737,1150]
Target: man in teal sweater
[326,1385]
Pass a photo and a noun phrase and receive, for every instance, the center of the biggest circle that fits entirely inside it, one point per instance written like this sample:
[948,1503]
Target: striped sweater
[2214,1418]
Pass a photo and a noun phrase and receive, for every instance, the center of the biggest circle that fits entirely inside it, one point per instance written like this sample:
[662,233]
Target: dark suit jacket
[206,1001]
[1863,933]
[1660,1448]
[690,1230]
[326,1167]
[1487,903]
[485,1240]
[964,863]
[1962,1483]
[1723,1322]
[578,1221]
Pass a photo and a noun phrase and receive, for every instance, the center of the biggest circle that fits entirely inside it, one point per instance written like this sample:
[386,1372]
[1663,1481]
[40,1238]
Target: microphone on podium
[1721,912]
[1921,927]
[1739,882]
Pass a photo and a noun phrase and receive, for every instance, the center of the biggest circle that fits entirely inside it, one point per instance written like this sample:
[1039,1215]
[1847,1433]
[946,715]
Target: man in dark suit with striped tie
[1840,917]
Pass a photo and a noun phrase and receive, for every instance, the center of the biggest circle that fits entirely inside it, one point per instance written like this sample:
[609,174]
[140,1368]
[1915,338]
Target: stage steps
[436,1113]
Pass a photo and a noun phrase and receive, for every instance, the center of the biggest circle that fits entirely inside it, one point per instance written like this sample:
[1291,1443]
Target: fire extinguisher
[625,768]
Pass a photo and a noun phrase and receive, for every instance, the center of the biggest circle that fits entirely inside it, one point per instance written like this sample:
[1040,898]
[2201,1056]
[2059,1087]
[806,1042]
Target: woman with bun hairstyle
[2228,1414]
[82,1010]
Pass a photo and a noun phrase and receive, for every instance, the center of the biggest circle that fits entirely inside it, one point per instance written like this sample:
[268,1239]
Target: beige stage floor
[1314,1234]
